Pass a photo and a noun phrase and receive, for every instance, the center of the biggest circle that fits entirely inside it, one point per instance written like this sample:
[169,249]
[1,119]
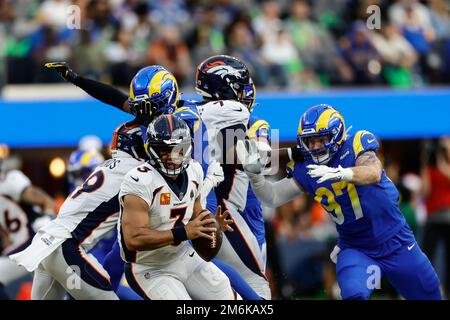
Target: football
[206,248]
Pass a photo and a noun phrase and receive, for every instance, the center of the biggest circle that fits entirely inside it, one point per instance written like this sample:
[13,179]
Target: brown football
[206,248]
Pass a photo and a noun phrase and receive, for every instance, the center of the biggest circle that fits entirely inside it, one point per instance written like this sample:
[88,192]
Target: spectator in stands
[436,183]
[242,43]
[439,60]
[172,52]
[120,55]
[54,13]
[269,28]
[207,37]
[414,21]
[397,55]
[358,52]
[315,45]
[169,12]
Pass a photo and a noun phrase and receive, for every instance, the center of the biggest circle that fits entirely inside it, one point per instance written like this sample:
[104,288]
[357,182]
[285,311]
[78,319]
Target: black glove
[63,69]
[144,111]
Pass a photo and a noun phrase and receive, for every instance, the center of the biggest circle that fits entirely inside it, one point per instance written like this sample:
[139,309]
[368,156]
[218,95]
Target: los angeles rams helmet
[81,164]
[153,91]
[169,135]
[224,77]
[321,121]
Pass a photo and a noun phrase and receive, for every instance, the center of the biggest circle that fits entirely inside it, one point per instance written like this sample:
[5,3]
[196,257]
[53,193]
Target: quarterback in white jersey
[59,250]
[226,120]
[17,195]
[160,210]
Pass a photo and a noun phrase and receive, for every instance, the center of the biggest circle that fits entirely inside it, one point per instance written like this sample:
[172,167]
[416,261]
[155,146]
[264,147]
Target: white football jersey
[165,209]
[13,183]
[92,209]
[14,221]
[219,115]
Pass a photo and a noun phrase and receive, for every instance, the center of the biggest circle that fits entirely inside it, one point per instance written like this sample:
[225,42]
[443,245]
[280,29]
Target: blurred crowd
[288,44]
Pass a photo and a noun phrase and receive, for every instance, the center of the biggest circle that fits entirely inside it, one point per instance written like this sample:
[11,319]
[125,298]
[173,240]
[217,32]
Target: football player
[187,110]
[228,92]
[345,176]
[18,220]
[160,210]
[92,210]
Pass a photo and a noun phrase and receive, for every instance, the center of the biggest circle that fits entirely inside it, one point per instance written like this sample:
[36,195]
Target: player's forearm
[36,196]
[145,239]
[274,194]
[103,92]
[364,175]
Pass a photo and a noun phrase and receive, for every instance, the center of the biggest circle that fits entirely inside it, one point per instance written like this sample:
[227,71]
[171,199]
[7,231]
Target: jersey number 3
[328,200]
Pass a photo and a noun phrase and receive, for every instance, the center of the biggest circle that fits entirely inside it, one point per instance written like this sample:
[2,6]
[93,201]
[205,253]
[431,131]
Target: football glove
[248,155]
[63,70]
[327,173]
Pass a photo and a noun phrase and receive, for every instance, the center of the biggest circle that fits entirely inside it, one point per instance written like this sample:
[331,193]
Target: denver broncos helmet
[168,144]
[128,138]
[324,122]
[224,77]
[153,91]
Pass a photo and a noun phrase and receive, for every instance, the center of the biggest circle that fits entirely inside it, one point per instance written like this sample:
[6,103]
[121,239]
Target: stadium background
[393,81]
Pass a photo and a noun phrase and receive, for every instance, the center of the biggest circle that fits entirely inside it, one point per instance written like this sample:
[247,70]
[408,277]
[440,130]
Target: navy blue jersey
[365,216]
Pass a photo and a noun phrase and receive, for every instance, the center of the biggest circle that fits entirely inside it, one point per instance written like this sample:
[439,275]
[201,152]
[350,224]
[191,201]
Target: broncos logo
[222,70]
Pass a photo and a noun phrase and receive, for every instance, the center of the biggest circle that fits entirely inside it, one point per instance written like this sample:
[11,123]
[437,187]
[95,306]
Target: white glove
[215,173]
[327,173]
[248,155]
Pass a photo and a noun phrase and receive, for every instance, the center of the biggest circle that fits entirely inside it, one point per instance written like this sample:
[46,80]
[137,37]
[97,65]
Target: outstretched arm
[98,90]
[274,194]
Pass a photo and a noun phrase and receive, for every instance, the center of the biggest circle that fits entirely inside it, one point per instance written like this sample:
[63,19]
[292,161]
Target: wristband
[347,174]
[179,234]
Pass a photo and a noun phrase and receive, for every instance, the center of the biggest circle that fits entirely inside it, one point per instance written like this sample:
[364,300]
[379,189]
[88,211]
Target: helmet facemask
[171,159]
[169,150]
[246,94]
[323,152]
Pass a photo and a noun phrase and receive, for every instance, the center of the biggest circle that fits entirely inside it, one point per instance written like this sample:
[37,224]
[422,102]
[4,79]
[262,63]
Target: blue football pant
[408,270]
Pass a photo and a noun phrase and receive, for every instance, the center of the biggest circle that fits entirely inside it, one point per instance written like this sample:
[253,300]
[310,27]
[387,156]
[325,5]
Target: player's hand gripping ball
[207,249]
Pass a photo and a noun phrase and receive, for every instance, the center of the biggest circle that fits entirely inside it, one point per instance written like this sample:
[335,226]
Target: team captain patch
[165,199]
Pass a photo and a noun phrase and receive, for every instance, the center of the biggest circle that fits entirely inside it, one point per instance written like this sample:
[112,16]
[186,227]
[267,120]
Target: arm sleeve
[102,92]
[274,194]
[15,184]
